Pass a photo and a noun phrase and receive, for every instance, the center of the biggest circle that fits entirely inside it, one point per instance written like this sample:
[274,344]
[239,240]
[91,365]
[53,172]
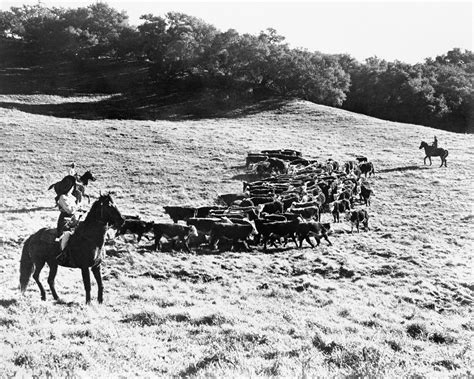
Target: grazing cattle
[307,212]
[340,206]
[365,193]
[367,168]
[229,198]
[234,232]
[180,213]
[357,217]
[278,229]
[173,232]
[134,226]
[361,159]
[313,229]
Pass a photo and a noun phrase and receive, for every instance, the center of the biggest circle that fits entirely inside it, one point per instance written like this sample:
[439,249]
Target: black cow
[357,217]
[180,213]
[268,230]
[367,168]
[365,193]
[134,226]
[173,232]
[230,231]
[313,229]
[340,206]
[261,200]
[273,207]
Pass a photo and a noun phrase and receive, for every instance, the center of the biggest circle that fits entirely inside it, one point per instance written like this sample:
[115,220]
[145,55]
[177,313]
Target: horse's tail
[445,154]
[26,266]
[51,186]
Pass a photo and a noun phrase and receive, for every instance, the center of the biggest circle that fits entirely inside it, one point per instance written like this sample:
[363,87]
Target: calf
[134,226]
[173,232]
[180,213]
[357,217]
[234,232]
[340,206]
[367,168]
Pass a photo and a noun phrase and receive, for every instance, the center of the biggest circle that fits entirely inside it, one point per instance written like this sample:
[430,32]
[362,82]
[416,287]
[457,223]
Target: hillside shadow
[404,168]
[171,107]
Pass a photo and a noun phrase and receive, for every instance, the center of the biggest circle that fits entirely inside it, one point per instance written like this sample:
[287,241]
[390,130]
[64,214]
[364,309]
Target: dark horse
[84,249]
[78,182]
[432,151]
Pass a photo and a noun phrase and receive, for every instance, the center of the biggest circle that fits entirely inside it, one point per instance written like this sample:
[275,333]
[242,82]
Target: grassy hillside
[392,302]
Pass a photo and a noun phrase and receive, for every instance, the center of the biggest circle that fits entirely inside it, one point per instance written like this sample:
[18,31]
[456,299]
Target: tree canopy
[180,48]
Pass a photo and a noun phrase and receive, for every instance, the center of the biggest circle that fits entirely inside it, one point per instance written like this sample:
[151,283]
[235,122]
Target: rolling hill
[395,301]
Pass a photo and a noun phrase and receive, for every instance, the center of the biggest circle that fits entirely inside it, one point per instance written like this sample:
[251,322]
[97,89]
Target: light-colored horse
[432,151]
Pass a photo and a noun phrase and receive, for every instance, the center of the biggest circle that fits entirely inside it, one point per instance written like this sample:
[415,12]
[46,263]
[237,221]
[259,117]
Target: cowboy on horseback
[435,143]
[68,215]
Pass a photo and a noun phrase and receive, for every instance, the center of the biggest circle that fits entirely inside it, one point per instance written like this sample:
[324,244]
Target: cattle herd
[285,203]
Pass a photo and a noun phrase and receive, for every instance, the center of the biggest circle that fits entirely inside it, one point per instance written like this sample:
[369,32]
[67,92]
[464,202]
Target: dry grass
[406,311]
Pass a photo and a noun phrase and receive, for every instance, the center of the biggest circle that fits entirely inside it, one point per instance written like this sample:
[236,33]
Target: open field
[392,302]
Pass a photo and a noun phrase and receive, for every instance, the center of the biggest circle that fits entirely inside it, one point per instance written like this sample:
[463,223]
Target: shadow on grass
[26,210]
[174,107]
[7,303]
[404,168]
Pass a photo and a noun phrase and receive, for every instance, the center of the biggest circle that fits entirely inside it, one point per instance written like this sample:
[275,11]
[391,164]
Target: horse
[432,151]
[78,182]
[84,249]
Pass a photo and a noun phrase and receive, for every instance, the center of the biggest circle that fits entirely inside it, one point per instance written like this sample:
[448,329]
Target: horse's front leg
[98,279]
[87,283]
[53,269]
[430,161]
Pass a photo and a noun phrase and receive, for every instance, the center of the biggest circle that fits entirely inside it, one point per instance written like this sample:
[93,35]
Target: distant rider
[435,143]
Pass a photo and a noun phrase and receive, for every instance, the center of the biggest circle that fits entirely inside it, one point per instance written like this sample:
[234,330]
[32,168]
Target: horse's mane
[95,207]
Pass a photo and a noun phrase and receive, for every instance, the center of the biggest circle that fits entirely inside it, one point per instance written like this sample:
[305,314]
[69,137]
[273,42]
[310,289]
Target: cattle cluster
[285,203]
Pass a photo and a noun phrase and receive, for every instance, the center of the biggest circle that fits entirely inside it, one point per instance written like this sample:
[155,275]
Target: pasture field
[396,301]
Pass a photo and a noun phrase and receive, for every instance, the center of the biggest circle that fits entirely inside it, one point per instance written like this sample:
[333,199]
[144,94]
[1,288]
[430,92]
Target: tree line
[185,51]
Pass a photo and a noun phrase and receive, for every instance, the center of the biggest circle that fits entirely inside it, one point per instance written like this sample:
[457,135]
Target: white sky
[409,31]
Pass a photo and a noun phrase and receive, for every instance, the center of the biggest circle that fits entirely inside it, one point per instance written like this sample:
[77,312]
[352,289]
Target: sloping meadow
[391,302]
